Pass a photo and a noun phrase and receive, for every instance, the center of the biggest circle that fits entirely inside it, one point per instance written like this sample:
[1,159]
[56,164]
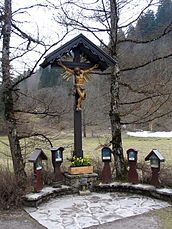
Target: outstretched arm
[90,69]
[64,67]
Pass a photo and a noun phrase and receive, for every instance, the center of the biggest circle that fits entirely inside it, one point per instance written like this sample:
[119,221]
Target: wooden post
[132,173]
[38,179]
[106,173]
[58,176]
[155,177]
[57,159]
[132,162]
[77,117]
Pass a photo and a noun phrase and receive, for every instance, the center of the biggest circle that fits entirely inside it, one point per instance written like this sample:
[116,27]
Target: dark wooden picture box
[155,158]
[132,155]
[106,154]
[57,154]
[36,158]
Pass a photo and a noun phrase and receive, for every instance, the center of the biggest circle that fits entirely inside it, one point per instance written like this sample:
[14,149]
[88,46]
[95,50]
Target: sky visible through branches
[37,19]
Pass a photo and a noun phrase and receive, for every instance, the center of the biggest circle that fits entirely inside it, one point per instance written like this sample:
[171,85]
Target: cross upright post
[78,152]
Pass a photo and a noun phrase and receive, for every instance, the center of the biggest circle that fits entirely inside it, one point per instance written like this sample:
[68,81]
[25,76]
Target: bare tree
[97,18]
[10,85]
[102,18]
[8,97]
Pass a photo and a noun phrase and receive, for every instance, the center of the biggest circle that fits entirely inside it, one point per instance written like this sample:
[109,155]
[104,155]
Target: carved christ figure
[80,77]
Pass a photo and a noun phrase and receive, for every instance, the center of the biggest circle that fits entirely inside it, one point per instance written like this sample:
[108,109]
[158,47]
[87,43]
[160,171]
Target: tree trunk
[117,149]
[10,120]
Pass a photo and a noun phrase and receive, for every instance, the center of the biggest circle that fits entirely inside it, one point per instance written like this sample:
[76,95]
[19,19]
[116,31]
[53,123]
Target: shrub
[145,174]
[10,193]
[166,176]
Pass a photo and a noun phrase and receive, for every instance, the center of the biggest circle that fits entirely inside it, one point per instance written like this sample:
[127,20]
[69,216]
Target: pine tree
[50,77]
[164,14]
[146,25]
[131,33]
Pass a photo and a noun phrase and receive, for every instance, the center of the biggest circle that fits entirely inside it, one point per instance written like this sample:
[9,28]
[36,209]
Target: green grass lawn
[92,147]
[145,145]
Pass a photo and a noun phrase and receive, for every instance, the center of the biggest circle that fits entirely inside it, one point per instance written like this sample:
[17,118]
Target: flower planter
[80,170]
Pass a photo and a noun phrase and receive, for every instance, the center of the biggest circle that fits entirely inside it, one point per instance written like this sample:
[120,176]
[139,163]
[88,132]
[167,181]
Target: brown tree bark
[117,149]
[8,99]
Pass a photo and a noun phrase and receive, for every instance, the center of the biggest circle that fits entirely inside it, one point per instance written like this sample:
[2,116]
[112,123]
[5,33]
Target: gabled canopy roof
[93,53]
[156,153]
[36,154]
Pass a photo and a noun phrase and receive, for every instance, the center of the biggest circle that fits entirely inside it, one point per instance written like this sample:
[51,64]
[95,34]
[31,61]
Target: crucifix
[80,76]
[94,58]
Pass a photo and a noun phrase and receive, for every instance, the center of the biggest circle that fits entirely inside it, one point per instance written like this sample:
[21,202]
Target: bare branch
[26,36]
[36,135]
[146,117]
[29,7]
[147,63]
[142,11]
[148,120]
[34,67]
[141,100]
[166,31]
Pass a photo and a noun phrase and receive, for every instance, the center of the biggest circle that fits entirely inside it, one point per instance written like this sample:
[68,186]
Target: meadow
[91,147]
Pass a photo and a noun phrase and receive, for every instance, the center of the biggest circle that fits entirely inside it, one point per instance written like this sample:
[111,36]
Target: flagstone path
[77,212]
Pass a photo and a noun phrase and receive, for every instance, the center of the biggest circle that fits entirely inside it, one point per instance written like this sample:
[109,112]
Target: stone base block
[76,180]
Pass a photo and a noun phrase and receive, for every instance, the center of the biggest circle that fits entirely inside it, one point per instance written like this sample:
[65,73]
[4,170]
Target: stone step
[143,189]
[34,199]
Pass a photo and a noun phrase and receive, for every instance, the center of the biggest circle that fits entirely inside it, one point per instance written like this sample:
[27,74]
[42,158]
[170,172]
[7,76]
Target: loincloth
[81,89]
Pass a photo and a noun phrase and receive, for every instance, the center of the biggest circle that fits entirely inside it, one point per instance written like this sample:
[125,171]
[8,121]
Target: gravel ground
[18,219]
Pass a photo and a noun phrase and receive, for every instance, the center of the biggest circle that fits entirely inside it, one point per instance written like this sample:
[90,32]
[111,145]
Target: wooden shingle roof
[93,53]
[37,153]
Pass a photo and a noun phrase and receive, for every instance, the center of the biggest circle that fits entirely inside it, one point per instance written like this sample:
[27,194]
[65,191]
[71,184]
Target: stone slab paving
[76,212]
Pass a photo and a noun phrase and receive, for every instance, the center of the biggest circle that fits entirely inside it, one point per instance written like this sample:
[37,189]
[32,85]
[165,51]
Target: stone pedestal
[76,180]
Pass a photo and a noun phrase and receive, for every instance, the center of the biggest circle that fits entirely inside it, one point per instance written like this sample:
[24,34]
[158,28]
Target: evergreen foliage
[164,14]
[131,32]
[150,24]
[146,25]
[50,77]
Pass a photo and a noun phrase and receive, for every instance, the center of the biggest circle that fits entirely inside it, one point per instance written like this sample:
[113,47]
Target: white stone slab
[76,212]
[164,191]
[45,191]
[144,186]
